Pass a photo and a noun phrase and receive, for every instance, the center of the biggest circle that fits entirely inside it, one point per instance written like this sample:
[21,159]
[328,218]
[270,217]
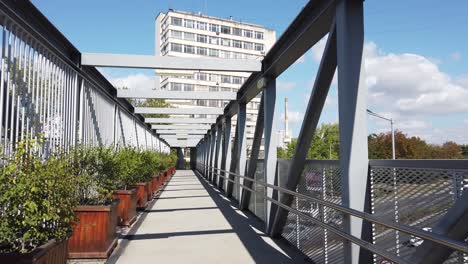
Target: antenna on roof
[206,7]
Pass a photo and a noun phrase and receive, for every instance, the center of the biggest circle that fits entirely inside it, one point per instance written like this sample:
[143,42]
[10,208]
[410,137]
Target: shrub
[127,165]
[96,171]
[36,199]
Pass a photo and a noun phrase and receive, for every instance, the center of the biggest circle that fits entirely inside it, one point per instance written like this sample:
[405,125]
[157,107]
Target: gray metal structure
[46,87]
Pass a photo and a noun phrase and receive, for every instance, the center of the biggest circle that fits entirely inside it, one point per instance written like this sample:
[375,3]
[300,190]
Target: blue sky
[416,54]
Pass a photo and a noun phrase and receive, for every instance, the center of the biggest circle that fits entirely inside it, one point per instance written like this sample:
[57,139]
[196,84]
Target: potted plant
[94,234]
[36,206]
[126,165]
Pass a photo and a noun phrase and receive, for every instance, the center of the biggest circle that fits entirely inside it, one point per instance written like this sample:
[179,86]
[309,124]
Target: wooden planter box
[127,206]
[149,188]
[52,252]
[142,196]
[94,236]
[155,184]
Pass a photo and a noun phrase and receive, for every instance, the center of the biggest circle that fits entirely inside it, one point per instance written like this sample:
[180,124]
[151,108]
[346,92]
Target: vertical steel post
[269,164]
[212,152]
[219,133]
[241,146]
[233,165]
[226,152]
[352,117]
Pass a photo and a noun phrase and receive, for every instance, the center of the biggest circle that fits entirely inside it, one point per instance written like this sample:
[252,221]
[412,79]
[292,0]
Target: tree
[149,103]
[325,144]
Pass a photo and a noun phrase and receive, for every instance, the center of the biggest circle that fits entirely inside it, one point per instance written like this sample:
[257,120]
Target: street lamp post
[391,127]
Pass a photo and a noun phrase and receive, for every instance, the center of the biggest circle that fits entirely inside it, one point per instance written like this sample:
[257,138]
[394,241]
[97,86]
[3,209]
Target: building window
[225,89]
[226,42]
[248,45]
[213,103]
[188,87]
[237,55]
[214,53]
[214,78]
[214,89]
[201,38]
[258,35]
[214,40]
[189,36]
[176,21]
[202,51]
[214,28]
[258,47]
[189,23]
[202,76]
[201,25]
[176,34]
[189,49]
[237,31]
[176,87]
[224,54]
[237,44]
[225,30]
[248,33]
[176,47]
[225,79]
[236,80]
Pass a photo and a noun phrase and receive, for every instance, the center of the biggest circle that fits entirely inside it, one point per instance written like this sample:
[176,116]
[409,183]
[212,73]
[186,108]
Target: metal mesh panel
[416,197]
[319,179]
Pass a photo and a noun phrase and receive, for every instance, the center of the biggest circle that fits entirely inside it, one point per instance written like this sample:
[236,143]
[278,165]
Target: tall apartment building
[182,34]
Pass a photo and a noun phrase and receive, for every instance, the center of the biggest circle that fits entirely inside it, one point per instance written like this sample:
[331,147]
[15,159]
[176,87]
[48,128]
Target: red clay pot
[127,206]
[142,196]
[94,235]
[155,184]
[52,252]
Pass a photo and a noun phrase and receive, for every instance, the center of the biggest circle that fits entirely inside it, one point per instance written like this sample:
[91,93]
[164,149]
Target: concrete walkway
[193,223]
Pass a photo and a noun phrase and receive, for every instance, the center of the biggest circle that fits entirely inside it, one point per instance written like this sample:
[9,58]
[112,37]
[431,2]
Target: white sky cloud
[136,82]
[293,116]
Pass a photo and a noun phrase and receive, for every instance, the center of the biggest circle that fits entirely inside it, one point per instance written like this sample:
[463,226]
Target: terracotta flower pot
[142,200]
[94,235]
[127,206]
[52,252]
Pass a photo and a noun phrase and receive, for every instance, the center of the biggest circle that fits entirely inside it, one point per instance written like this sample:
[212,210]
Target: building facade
[182,34]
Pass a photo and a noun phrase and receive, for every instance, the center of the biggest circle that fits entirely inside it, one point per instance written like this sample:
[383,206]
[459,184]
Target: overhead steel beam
[178,95]
[180,111]
[169,63]
[182,136]
[187,132]
[179,127]
[311,25]
[180,120]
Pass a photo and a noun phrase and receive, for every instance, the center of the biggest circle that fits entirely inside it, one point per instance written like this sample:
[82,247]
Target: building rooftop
[217,18]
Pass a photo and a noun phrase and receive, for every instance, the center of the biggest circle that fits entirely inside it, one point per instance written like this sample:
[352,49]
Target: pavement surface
[191,222]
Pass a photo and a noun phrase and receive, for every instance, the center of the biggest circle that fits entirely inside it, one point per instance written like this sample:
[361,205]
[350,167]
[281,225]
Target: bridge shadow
[244,226]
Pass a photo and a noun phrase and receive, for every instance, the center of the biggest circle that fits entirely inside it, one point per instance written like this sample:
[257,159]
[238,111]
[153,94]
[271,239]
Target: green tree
[325,144]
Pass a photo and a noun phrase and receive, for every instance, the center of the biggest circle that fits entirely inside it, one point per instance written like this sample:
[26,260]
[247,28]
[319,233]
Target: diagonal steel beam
[252,168]
[168,62]
[317,99]
[219,133]
[226,151]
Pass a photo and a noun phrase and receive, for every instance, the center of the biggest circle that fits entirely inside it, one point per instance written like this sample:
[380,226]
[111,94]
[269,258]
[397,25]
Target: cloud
[318,48]
[136,82]
[456,56]
[411,84]
[285,86]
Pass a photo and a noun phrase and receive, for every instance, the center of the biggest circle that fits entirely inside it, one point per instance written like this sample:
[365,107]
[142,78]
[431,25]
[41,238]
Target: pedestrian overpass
[233,205]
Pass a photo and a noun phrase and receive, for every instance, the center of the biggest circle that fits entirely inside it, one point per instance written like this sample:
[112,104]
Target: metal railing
[381,251]
[44,92]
